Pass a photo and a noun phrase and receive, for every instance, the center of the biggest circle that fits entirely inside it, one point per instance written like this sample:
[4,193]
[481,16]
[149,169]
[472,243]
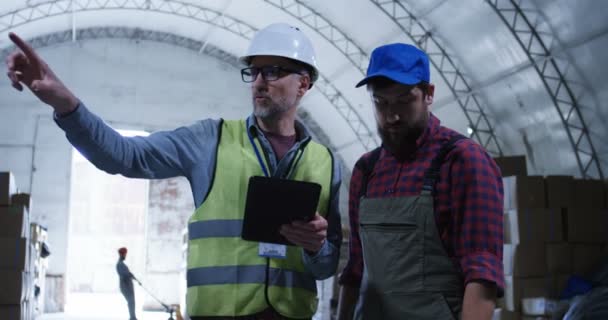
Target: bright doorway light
[106,213]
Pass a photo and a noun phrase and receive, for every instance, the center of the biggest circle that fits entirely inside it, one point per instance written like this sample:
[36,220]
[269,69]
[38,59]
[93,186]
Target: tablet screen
[272,202]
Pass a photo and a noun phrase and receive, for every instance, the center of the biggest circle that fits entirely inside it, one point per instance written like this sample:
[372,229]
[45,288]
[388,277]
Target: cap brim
[400,78]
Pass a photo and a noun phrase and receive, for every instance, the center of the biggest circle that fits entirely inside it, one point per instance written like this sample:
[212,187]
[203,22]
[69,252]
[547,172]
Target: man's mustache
[260,95]
[394,126]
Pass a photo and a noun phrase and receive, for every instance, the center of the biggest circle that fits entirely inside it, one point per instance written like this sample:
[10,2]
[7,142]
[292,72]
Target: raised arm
[161,155]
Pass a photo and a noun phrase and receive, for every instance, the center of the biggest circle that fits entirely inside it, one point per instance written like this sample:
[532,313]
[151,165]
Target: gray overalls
[407,273]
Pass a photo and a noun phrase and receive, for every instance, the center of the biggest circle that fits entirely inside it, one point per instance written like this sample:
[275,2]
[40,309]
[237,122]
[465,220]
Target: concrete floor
[112,306]
[140,316]
[84,306]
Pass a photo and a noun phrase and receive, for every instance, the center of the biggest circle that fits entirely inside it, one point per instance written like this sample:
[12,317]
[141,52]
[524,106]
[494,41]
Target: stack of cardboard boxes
[38,240]
[554,227]
[15,254]
[20,262]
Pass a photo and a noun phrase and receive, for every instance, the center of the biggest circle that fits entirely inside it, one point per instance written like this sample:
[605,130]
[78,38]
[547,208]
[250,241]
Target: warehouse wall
[170,206]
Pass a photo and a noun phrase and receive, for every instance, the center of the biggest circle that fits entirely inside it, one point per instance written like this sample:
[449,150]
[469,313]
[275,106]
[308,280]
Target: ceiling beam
[535,42]
[480,123]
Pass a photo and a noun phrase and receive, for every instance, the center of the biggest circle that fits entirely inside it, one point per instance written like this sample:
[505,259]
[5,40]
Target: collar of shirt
[278,168]
[432,127]
[302,134]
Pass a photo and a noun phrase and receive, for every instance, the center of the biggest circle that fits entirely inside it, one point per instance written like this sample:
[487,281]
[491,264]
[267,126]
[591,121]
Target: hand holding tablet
[309,235]
[273,202]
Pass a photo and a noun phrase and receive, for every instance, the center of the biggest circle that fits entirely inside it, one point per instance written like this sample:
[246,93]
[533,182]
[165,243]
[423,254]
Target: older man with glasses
[228,278]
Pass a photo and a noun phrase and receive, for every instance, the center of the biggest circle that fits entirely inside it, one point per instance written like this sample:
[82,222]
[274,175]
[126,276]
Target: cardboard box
[529,260]
[586,258]
[538,287]
[503,314]
[508,252]
[15,254]
[15,286]
[14,222]
[512,165]
[605,193]
[533,226]
[538,306]
[589,193]
[15,311]
[22,199]
[587,225]
[559,191]
[512,297]
[37,233]
[518,288]
[524,192]
[559,257]
[7,188]
[561,280]
[500,303]
[524,260]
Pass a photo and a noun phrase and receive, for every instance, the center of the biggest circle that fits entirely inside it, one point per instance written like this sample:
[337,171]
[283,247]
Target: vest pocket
[393,256]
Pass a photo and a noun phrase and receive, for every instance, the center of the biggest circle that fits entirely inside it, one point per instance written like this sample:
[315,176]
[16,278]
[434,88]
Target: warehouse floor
[63,316]
[84,306]
[112,306]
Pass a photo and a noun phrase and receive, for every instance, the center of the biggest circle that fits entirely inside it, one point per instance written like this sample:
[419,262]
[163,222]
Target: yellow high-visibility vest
[226,276]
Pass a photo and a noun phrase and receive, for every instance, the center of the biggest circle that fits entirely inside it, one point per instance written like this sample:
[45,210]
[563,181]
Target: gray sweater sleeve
[325,262]
[161,155]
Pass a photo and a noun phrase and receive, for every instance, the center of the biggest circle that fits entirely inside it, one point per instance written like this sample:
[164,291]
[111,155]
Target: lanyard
[257,153]
[261,162]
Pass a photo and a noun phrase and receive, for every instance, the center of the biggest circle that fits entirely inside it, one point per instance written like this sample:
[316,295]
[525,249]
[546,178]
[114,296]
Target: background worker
[126,282]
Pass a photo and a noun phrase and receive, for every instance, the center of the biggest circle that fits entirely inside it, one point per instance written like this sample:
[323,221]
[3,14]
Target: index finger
[31,55]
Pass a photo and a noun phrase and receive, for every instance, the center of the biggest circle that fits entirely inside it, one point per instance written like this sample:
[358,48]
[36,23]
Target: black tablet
[272,202]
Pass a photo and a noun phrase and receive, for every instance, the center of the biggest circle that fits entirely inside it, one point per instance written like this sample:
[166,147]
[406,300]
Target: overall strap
[431,175]
[366,166]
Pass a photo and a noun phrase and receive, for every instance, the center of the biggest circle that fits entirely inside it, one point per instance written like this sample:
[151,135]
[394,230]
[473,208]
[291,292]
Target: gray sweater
[190,152]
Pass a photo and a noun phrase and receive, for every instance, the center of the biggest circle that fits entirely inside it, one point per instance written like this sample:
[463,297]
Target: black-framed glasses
[269,73]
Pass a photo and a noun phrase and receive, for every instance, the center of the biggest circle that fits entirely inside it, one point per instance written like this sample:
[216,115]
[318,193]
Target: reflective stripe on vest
[214,229]
[249,274]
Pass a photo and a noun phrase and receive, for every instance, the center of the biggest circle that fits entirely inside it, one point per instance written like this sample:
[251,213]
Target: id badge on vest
[271,250]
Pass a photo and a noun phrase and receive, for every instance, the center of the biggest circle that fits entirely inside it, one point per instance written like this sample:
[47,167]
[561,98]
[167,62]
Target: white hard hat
[283,40]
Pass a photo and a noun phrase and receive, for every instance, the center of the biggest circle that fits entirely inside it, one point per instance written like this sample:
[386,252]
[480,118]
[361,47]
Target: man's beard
[270,110]
[403,142]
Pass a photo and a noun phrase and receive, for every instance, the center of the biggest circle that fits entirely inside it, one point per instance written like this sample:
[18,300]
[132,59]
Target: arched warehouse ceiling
[520,77]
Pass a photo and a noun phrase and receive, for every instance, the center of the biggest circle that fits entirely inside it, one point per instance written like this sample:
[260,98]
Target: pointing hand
[25,67]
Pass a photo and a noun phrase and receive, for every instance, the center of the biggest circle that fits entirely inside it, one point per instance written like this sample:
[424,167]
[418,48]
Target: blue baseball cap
[399,62]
